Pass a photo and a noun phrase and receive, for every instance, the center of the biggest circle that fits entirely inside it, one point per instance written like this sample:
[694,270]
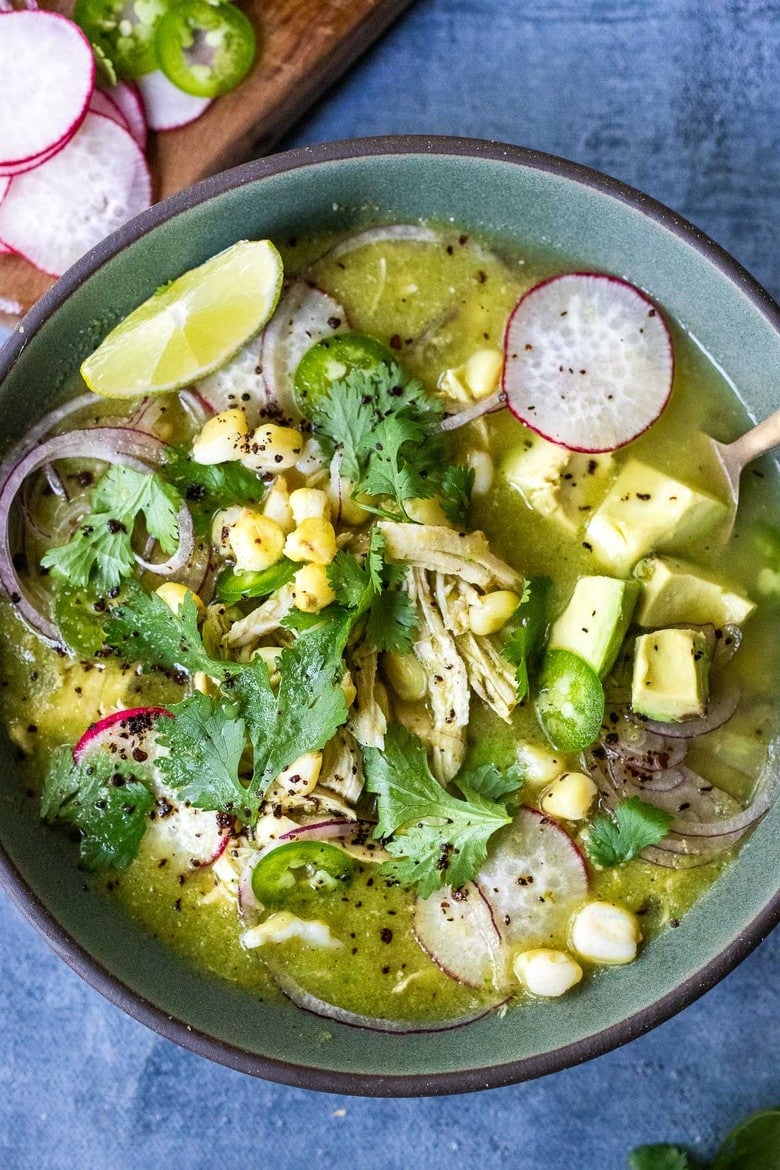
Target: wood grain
[305,45]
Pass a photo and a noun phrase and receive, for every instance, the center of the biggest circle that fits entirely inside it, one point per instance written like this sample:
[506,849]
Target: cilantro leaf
[434,837]
[209,487]
[143,629]
[100,553]
[659,1157]
[102,798]
[397,465]
[455,489]
[527,631]
[489,781]
[352,582]
[635,825]
[205,742]
[344,420]
[752,1145]
[392,621]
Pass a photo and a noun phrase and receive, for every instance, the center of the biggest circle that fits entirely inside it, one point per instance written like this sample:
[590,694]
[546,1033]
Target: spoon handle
[756,441]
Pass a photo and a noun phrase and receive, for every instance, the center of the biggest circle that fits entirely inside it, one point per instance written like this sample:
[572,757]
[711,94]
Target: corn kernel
[220,528]
[276,505]
[204,683]
[309,504]
[426,512]
[482,466]
[300,778]
[483,371]
[313,540]
[272,448]
[546,972]
[538,765]
[311,589]
[569,796]
[256,540]
[492,611]
[605,933]
[406,676]
[270,656]
[222,438]
[173,595]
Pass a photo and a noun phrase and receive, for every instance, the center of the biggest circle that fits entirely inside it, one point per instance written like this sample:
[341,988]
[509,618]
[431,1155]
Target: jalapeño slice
[570,701]
[205,48]
[290,874]
[329,361]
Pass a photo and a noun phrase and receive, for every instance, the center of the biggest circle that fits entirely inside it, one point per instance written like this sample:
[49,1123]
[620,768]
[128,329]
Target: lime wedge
[190,327]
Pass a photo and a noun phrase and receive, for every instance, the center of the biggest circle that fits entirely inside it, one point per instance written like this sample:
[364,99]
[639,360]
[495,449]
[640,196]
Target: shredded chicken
[342,767]
[263,620]
[465,555]
[368,722]
[490,675]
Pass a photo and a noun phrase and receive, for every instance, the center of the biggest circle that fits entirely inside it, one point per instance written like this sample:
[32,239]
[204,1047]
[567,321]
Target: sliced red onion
[724,826]
[321,831]
[627,779]
[177,561]
[409,233]
[719,710]
[196,407]
[726,646]
[38,430]
[658,856]
[476,410]
[110,444]
[656,753]
[329,1011]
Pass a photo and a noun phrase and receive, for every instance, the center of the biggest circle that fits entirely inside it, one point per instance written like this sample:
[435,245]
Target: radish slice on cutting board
[101,103]
[127,98]
[588,361]
[48,74]
[57,212]
[166,107]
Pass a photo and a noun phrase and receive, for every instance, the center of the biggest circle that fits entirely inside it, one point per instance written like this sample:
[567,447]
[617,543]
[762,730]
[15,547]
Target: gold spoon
[734,457]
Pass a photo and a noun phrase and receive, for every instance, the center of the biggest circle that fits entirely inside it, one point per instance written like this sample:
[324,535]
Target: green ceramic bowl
[499,191]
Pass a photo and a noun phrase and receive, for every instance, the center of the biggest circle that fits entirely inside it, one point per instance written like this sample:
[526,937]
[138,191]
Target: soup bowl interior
[505,194]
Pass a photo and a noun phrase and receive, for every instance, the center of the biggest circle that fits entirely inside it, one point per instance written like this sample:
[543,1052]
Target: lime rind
[190,327]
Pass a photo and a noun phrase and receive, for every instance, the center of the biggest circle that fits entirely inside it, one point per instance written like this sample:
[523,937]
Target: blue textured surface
[680,99]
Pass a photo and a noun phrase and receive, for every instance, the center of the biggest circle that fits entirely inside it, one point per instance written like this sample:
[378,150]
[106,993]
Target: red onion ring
[489,405]
[109,444]
[719,711]
[181,557]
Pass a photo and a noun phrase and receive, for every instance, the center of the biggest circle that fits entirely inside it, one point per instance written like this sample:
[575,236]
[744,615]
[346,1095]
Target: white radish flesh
[457,930]
[48,73]
[533,879]
[57,212]
[167,107]
[588,361]
[127,98]
[304,316]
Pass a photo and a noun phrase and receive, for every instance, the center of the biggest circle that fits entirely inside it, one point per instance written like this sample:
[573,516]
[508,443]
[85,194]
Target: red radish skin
[127,98]
[122,728]
[304,315]
[57,212]
[598,390]
[48,73]
[165,106]
[101,103]
[457,929]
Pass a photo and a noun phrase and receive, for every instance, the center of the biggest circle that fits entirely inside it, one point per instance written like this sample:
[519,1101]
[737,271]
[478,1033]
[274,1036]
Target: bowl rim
[134,1003]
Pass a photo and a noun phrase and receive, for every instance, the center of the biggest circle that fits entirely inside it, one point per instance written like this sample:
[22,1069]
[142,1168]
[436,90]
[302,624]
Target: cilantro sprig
[106,799]
[384,426]
[613,840]
[207,738]
[100,553]
[435,838]
[209,487]
[144,629]
[373,588]
[527,631]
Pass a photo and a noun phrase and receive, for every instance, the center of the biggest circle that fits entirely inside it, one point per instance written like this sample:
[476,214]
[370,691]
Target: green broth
[434,306]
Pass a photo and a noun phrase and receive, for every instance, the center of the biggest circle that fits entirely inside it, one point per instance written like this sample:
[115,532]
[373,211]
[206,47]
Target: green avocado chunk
[647,509]
[673,592]
[595,621]
[671,675]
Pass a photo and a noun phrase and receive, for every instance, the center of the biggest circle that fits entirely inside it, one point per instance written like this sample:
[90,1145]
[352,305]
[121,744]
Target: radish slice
[127,98]
[304,316]
[533,879]
[54,214]
[165,106]
[48,73]
[588,361]
[196,837]
[11,171]
[101,103]
[457,930]
[328,1011]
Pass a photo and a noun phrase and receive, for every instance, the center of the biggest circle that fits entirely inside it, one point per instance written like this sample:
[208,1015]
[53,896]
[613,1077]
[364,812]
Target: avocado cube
[647,509]
[563,485]
[674,592]
[595,621]
[671,675]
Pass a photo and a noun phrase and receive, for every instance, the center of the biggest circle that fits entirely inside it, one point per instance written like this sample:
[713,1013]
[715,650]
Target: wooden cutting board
[304,46]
